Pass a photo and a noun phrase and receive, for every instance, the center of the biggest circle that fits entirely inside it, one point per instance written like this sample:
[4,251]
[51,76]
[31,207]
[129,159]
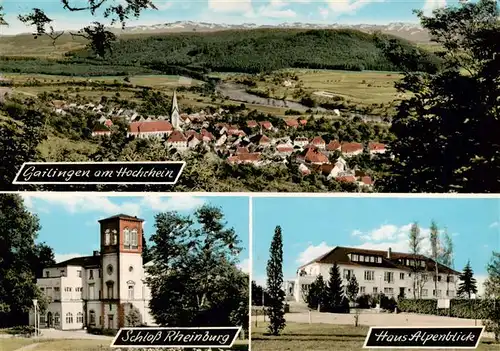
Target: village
[252,143]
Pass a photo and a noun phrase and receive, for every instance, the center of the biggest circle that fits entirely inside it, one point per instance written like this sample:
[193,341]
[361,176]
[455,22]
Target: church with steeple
[175,117]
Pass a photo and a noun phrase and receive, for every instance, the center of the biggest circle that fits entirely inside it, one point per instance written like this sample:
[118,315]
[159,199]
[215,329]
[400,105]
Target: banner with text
[209,337]
[423,337]
[167,172]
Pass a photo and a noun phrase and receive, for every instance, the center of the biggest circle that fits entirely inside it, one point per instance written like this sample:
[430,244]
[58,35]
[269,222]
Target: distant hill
[255,50]
[409,31]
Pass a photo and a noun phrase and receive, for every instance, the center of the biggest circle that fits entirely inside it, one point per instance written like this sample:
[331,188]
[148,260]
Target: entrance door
[402,292]
[50,320]
[110,321]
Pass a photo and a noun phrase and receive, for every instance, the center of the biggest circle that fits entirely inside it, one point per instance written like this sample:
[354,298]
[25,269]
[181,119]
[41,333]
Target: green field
[322,337]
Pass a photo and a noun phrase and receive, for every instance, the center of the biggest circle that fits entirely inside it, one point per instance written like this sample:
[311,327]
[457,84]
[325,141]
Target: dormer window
[379,259]
[107,237]
[355,258]
[372,259]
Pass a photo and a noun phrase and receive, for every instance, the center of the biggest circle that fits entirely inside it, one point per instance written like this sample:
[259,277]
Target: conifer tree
[335,290]
[468,285]
[276,309]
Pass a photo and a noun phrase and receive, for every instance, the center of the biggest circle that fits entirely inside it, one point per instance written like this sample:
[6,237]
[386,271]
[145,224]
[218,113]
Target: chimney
[389,254]
[96,253]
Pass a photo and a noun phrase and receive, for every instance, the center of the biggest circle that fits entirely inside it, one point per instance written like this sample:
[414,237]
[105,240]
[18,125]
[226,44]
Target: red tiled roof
[292,123]
[108,123]
[207,135]
[367,180]
[261,139]
[266,124]
[242,150]
[251,124]
[351,147]
[101,128]
[348,179]
[284,148]
[333,145]
[374,146]
[312,155]
[176,136]
[190,133]
[245,158]
[303,121]
[150,126]
[317,141]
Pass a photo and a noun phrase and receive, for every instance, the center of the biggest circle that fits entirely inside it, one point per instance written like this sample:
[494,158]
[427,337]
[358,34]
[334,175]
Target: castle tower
[122,268]
[175,117]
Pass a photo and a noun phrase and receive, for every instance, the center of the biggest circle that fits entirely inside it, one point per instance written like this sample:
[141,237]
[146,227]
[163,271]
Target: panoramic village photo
[75,269]
[357,96]
[326,269]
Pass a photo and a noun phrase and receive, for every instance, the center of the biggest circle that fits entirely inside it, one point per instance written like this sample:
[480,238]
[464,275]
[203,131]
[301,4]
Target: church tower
[122,267]
[175,117]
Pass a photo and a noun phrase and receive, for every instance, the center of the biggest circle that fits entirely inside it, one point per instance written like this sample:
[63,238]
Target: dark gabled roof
[84,261]
[340,255]
[123,216]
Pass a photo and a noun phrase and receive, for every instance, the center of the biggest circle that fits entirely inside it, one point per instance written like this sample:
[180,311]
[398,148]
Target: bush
[364,301]
[22,330]
[387,303]
[102,331]
[459,308]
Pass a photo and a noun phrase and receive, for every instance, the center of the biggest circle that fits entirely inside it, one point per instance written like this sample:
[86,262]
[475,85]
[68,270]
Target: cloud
[230,6]
[276,9]
[494,225]
[77,203]
[340,7]
[431,5]
[64,257]
[245,265]
[323,12]
[312,252]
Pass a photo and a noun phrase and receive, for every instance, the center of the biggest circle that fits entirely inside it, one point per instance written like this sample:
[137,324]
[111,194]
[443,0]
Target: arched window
[115,237]
[69,318]
[92,317]
[56,318]
[107,237]
[134,239]
[79,317]
[126,237]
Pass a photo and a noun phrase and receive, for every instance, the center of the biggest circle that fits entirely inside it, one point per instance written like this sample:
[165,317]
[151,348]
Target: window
[389,277]
[56,318]
[369,275]
[78,289]
[67,289]
[425,277]
[425,292]
[362,290]
[56,289]
[92,317]
[355,257]
[361,258]
[91,291]
[450,279]
[134,239]
[115,237]
[109,269]
[107,237]
[110,321]
[305,287]
[451,293]
[348,273]
[126,236]
[91,274]
[110,290]
[388,291]
[42,289]
[131,292]
[422,263]
[79,273]
[42,319]
[47,274]
[372,259]
[375,290]
[401,276]
[69,318]
[379,259]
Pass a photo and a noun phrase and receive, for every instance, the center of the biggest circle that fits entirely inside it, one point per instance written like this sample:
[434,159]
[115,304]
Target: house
[242,150]
[206,136]
[99,290]
[346,178]
[266,125]
[313,156]
[253,158]
[177,140]
[376,148]
[333,170]
[150,129]
[351,149]
[284,149]
[292,123]
[101,130]
[252,124]
[378,271]
[193,140]
[319,142]
[301,141]
[304,170]
[261,140]
[333,145]
[365,181]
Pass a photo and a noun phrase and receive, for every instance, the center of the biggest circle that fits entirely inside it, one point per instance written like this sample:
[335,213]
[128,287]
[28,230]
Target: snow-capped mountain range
[407,31]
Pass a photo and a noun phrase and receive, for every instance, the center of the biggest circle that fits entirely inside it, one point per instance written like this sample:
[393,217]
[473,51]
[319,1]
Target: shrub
[460,308]
[387,303]
[364,301]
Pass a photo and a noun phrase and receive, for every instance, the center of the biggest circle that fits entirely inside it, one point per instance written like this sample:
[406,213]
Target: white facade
[392,282]
[99,290]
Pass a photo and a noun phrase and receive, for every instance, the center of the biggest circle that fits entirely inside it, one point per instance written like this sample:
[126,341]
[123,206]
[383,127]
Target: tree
[133,317]
[458,102]
[317,296]
[468,285]
[18,261]
[335,290]
[276,309]
[447,255]
[260,296]
[195,269]
[434,239]
[492,291]
[146,252]
[415,242]
[352,289]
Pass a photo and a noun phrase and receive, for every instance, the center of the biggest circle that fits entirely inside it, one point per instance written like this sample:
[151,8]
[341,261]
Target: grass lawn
[11,344]
[321,337]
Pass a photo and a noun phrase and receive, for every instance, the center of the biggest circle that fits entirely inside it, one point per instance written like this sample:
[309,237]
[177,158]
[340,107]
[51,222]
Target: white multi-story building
[376,271]
[99,290]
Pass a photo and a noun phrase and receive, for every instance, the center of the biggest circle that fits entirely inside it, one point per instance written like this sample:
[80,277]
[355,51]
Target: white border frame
[16,182]
[238,331]
[425,347]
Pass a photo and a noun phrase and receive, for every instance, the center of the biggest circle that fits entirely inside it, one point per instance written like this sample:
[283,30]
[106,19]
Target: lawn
[321,337]
[11,344]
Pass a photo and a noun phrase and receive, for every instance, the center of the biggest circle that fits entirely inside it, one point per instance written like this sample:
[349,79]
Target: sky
[234,12]
[312,226]
[69,221]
